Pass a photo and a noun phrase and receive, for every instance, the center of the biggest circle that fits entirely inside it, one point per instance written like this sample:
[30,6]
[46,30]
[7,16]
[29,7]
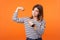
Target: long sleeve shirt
[30,32]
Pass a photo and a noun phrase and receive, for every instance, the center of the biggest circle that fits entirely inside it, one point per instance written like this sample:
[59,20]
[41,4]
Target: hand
[35,27]
[30,22]
[19,8]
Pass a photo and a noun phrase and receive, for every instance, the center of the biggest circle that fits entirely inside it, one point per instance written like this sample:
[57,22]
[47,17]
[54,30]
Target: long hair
[40,14]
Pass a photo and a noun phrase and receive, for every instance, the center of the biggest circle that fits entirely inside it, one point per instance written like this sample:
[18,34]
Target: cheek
[32,12]
[36,13]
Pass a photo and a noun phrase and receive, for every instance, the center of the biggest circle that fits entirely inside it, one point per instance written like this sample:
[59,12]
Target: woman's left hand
[30,22]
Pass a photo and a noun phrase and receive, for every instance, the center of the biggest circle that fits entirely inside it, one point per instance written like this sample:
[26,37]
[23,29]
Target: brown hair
[40,15]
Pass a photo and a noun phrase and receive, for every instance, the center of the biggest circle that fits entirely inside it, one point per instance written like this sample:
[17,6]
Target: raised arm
[15,16]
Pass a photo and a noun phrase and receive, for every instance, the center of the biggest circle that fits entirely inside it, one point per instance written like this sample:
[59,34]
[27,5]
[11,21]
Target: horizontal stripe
[30,32]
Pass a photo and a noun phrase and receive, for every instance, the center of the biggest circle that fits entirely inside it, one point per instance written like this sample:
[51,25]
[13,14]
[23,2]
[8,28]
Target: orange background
[10,30]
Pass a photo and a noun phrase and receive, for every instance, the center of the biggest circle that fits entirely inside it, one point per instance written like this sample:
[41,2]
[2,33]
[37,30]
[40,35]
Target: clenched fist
[30,22]
[20,8]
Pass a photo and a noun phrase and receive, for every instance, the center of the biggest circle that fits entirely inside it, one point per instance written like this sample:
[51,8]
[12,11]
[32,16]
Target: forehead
[36,9]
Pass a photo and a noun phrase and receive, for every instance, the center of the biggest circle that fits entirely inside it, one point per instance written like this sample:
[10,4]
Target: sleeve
[41,28]
[16,19]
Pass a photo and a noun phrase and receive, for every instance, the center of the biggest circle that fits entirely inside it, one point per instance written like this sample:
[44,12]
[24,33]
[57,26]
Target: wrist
[16,10]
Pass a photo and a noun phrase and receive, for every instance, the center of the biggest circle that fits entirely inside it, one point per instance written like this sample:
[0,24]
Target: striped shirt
[30,32]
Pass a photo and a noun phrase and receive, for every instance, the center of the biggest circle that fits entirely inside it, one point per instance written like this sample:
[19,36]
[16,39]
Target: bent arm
[15,17]
[41,28]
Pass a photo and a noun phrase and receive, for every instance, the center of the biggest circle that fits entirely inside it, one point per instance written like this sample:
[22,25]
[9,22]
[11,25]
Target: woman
[34,25]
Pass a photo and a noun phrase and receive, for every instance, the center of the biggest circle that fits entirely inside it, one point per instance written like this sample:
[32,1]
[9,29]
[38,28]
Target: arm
[40,28]
[15,16]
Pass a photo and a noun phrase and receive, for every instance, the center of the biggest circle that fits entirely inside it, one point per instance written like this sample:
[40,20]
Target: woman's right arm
[15,16]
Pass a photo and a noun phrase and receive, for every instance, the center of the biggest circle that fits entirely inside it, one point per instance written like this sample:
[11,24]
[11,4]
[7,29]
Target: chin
[34,16]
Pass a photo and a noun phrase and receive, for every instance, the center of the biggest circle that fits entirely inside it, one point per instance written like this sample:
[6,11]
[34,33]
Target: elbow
[14,19]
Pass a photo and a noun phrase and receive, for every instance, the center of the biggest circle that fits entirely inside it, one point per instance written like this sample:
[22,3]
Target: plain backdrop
[10,30]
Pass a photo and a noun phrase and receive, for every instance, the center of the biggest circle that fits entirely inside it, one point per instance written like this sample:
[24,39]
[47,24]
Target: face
[35,12]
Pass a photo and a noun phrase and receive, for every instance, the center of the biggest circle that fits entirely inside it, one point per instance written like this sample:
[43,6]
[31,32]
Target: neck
[35,18]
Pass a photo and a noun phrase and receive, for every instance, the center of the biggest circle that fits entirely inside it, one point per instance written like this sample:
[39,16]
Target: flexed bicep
[15,16]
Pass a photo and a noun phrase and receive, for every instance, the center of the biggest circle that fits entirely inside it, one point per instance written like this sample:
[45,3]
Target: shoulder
[43,21]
